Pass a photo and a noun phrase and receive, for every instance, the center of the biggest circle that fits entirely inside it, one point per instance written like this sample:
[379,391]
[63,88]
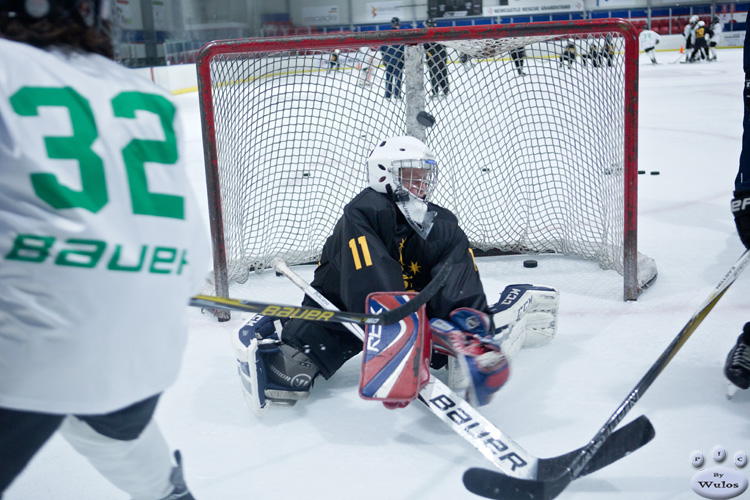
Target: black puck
[530,263]
[641,172]
[425,119]
[654,172]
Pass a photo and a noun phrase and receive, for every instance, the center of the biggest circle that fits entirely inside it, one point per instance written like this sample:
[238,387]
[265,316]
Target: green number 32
[78,146]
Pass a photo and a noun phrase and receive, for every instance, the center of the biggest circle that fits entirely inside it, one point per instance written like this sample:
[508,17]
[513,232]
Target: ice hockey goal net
[535,157]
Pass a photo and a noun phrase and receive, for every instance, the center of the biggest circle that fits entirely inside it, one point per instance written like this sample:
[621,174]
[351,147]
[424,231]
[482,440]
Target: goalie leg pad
[396,359]
[270,372]
[525,316]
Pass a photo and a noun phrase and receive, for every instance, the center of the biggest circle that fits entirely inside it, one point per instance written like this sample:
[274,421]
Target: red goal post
[540,162]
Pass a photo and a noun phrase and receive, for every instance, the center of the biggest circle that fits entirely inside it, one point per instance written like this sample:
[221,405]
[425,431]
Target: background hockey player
[608,50]
[391,238]
[737,365]
[518,56]
[393,58]
[466,62]
[334,64]
[593,55]
[700,41]
[716,29]
[437,64]
[98,255]
[367,63]
[688,33]
[568,55]
[649,40]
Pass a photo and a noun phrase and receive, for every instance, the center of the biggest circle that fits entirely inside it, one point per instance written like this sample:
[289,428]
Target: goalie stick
[504,486]
[328,315]
[468,423]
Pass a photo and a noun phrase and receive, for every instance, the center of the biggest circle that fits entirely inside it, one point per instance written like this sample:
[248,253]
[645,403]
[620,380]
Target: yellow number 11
[355,253]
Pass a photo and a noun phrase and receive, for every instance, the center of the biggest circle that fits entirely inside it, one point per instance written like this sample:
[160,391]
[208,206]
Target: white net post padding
[414,90]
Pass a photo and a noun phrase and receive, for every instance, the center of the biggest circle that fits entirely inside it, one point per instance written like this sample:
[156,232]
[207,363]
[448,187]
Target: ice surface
[337,446]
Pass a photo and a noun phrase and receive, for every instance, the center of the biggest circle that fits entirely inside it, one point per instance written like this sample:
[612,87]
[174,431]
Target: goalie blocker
[397,357]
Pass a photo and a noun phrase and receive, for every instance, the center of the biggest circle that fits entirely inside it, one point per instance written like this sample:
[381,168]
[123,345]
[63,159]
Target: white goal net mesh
[529,138]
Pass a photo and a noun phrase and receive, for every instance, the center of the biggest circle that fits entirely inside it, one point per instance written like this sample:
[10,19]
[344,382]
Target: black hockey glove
[746,92]
[741,212]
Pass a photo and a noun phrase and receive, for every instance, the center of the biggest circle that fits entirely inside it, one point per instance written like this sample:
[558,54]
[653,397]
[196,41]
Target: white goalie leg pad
[249,368]
[525,316]
[141,467]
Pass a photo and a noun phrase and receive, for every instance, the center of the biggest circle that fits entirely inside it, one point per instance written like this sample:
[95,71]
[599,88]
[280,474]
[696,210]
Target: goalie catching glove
[525,316]
[467,336]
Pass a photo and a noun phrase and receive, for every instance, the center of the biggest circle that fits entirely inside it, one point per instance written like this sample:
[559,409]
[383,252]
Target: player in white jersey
[716,29]
[649,40]
[101,245]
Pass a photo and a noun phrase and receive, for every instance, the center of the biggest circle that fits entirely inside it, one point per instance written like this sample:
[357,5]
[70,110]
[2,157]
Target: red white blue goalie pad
[467,336]
[396,359]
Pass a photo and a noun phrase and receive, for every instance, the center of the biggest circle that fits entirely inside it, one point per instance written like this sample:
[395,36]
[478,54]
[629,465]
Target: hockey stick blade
[552,476]
[622,442]
[327,315]
[513,488]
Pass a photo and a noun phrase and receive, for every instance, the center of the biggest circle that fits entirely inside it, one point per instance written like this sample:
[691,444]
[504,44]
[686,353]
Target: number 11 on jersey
[355,253]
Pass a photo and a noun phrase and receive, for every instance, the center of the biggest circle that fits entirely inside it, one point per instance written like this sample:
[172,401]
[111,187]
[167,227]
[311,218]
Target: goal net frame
[326,44]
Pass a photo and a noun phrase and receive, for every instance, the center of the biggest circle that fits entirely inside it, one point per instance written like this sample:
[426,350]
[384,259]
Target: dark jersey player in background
[393,58]
[518,56]
[437,64]
[737,366]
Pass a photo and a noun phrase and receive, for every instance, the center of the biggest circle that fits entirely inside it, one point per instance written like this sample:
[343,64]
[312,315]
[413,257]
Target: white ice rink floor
[336,446]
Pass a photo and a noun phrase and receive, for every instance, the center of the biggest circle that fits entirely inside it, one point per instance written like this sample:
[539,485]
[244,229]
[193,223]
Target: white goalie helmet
[403,161]
[405,167]
[693,19]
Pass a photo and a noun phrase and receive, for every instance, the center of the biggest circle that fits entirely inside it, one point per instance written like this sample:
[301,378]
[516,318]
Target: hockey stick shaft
[327,315]
[282,267]
[467,422]
[595,444]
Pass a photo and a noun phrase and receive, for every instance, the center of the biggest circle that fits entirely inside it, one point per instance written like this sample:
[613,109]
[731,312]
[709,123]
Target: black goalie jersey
[374,249]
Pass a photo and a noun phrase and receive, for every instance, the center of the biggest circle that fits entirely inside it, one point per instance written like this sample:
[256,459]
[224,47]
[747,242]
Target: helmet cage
[416,176]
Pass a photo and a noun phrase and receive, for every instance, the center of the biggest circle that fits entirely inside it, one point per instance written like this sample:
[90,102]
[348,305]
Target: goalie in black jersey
[392,239]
